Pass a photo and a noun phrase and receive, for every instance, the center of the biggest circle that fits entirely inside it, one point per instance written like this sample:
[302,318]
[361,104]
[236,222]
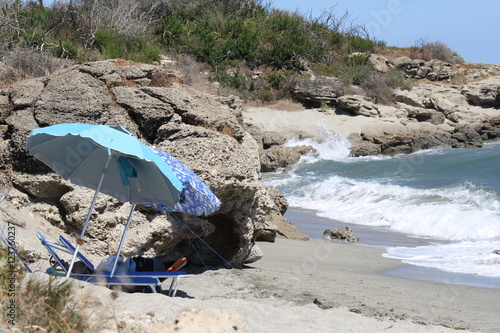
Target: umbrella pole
[121,241]
[89,214]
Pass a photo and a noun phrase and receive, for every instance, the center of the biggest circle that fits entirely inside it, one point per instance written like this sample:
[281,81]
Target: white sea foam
[459,213]
[469,257]
[465,215]
[329,146]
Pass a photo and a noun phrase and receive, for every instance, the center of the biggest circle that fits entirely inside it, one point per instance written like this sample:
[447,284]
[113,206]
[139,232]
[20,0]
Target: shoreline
[349,275]
[377,237]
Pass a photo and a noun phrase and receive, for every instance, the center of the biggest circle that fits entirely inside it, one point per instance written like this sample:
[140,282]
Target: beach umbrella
[109,160]
[196,198]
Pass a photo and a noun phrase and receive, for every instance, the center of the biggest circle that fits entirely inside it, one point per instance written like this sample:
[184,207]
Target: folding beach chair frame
[138,278]
[175,275]
[98,279]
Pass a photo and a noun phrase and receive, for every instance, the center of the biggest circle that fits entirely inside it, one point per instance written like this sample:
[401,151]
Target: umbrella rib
[81,164]
[170,198]
[48,142]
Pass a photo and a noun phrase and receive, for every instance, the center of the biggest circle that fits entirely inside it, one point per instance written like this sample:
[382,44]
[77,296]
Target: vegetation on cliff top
[251,49]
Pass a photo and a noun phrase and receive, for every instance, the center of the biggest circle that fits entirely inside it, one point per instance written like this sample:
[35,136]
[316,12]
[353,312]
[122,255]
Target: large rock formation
[449,105]
[201,130]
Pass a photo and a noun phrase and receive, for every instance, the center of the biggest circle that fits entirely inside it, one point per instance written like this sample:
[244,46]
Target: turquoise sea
[441,206]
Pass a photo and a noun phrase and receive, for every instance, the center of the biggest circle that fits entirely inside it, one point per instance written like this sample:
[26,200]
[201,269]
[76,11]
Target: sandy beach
[301,286]
[308,123]
[350,276]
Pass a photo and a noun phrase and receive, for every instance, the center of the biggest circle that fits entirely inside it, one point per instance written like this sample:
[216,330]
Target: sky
[470,28]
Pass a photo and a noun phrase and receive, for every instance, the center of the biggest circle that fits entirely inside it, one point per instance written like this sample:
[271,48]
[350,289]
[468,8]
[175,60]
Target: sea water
[449,197]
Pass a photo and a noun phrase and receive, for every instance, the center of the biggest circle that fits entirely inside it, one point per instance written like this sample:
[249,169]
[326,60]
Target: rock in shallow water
[344,234]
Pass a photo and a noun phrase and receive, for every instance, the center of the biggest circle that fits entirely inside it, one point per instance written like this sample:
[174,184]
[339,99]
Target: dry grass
[459,79]
[194,74]
[164,78]
[423,50]
[228,131]
[39,305]
[395,52]
[26,64]
[124,63]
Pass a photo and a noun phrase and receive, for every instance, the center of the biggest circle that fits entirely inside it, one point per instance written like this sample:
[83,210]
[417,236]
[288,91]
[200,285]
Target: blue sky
[471,28]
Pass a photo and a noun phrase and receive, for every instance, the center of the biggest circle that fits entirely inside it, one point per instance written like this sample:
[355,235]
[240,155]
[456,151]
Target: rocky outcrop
[485,93]
[433,70]
[201,130]
[317,91]
[277,157]
[357,106]
[438,113]
[344,234]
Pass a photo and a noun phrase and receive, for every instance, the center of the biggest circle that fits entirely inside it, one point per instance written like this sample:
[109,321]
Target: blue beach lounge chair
[161,275]
[65,246]
[59,267]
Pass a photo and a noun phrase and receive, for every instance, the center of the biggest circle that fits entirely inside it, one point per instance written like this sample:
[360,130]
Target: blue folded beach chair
[59,267]
[161,275]
[97,276]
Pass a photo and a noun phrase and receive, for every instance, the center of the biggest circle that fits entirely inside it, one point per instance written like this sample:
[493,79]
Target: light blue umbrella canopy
[79,153]
[109,160]
[196,197]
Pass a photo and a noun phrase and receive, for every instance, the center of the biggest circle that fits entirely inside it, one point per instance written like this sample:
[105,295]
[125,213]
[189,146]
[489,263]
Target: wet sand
[313,226]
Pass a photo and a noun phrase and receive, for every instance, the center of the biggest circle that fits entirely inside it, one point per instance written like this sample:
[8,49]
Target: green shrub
[207,43]
[110,42]
[281,83]
[34,22]
[170,31]
[242,41]
[114,44]
[358,44]
[353,68]
[234,80]
[286,42]
[277,78]
[220,37]
[398,79]
[66,49]
[32,37]
[142,50]
[323,69]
